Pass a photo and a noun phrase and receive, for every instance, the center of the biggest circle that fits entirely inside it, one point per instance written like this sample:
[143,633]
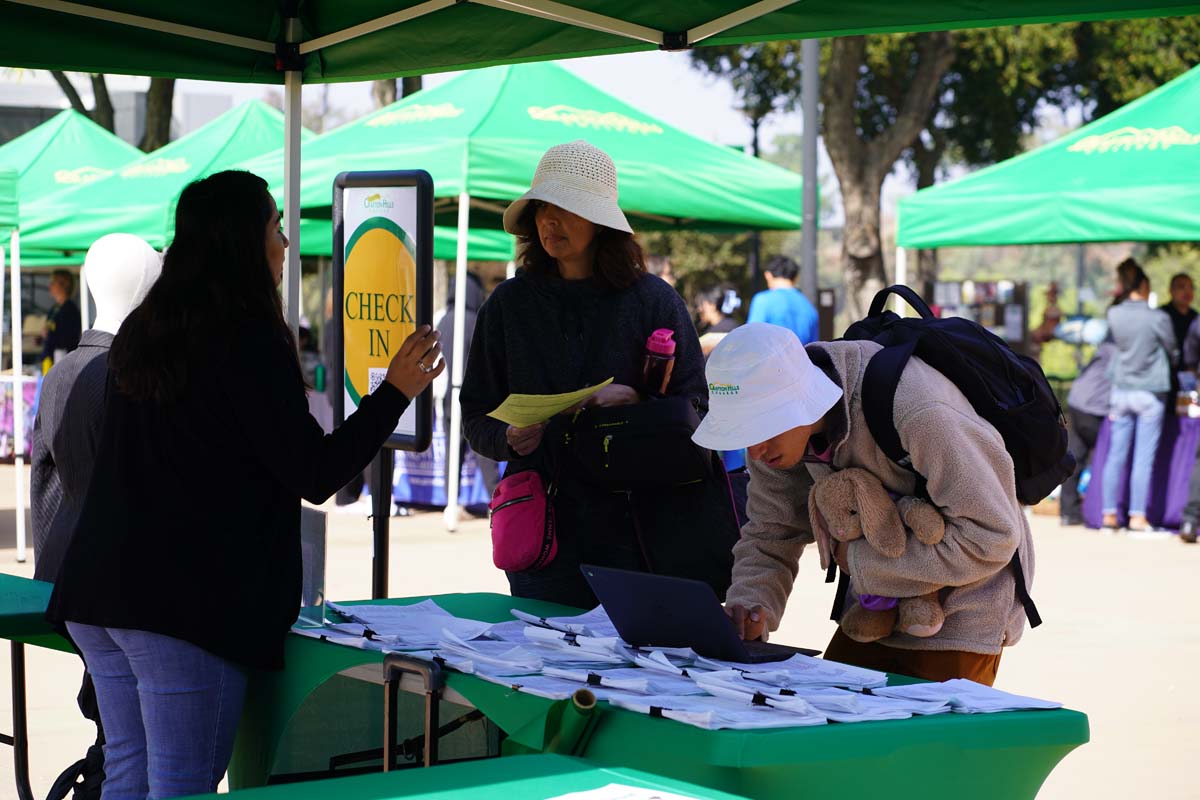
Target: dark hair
[783,267]
[1130,277]
[65,278]
[619,260]
[713,294]
[215,279]
[1179,277]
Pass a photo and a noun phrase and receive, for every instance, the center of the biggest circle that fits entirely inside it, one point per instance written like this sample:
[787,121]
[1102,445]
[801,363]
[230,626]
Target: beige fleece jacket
[969,477]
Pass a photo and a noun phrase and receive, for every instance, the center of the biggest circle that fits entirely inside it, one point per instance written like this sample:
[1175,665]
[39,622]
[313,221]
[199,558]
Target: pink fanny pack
[522,521]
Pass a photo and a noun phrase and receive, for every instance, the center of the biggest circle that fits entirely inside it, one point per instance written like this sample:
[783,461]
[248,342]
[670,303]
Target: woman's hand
[615,394]
[524,441]
[416,363]
[750,623]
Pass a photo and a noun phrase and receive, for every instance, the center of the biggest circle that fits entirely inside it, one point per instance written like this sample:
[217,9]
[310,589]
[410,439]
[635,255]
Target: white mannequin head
[120,268]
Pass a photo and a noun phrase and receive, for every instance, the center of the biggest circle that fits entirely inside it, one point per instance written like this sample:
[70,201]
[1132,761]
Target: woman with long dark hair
[1141,378]
[184,570]
[578,312]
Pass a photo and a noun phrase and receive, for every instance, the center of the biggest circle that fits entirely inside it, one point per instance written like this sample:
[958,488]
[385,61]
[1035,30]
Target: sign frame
[422,183]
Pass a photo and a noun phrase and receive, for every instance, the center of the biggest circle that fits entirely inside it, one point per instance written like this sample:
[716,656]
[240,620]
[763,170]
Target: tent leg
[18,397]
[85,306]
[810,88]
[291,190]
[1080,280]
[458,367]
[901,277]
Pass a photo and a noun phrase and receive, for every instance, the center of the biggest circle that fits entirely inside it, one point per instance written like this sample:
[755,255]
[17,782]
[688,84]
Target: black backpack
[1007,389]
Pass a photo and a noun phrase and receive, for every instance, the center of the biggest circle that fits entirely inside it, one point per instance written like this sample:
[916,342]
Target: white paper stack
[413,627]
[629,679]
[591,623]
[714,713]
[801,671]
[968,697]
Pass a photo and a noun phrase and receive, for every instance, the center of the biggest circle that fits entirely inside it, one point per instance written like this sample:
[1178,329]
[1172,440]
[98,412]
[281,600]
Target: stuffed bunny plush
[852,504]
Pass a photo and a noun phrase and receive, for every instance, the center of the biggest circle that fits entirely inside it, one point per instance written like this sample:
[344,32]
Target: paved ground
[1121,642]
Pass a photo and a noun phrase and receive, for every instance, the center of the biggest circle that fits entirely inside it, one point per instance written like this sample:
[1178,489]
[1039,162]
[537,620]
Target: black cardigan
[191,526]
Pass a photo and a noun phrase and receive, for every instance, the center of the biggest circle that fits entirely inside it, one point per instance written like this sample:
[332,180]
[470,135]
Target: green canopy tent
[65,151]
[480,136]
[322,40]
[139,198]
[1133,175]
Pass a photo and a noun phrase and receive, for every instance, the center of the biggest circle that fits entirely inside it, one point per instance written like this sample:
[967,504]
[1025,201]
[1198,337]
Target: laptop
[663,611]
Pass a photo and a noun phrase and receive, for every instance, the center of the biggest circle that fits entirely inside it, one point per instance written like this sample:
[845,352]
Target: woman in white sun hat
[578,312]
[798,411]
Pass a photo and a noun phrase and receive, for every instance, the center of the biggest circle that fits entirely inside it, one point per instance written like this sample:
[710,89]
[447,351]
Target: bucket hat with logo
[761,383]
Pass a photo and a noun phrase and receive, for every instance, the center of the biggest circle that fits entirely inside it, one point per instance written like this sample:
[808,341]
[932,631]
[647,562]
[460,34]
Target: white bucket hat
[760,384]
[578,177]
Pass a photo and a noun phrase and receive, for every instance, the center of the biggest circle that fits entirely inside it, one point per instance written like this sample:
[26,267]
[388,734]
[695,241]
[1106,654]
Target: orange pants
[932,665]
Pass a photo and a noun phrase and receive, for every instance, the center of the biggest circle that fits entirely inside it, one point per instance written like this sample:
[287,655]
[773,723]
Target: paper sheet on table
[968,697]
[523,410]
[411,627]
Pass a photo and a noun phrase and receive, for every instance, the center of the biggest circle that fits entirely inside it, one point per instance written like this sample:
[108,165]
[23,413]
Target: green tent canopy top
[482,133]
[139,198]
[65,151]
[235,40]
[316,239]
[1133,175]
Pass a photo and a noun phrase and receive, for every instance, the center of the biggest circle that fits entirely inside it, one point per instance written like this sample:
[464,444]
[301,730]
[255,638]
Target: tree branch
[68,89]
[103,113]
[935,52]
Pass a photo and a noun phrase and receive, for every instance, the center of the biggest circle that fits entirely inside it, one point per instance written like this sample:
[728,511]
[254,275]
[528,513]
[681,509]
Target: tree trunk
[755,259]
[411,85]
[862,256]
[862,165]
[160,99]
[383,92]
[68,89]
[102,114]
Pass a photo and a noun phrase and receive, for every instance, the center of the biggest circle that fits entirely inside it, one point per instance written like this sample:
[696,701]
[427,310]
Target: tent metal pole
[558,12]
[809,89]
[292,85]
[1080,279]
[85,307]
[457,364]
[18,397]
[386,21]
[151,24]
[732,20]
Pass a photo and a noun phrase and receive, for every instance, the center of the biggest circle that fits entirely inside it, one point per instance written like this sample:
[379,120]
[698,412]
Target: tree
[383,92]
[160,99]
[866,133]
[764,77]
[102,114]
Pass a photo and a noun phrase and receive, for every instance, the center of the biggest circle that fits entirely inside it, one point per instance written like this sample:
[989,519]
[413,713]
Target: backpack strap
[878,399]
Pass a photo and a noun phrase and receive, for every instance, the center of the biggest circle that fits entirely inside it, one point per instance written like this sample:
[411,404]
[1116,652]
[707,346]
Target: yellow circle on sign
[379,304]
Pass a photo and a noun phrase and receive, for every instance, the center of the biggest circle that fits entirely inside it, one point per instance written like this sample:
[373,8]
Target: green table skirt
[987,756]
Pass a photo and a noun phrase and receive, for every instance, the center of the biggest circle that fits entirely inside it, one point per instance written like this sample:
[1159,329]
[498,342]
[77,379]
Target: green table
[23,621]
[516,778]
[988,756]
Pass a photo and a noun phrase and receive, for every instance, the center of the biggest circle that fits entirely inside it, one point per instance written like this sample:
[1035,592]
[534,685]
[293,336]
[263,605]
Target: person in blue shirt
[782,303]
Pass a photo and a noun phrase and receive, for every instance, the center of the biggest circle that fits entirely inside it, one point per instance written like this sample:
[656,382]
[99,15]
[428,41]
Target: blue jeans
[1130,410]
[170,711]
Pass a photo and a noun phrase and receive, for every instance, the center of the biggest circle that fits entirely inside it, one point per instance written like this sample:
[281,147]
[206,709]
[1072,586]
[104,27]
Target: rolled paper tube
[574,726]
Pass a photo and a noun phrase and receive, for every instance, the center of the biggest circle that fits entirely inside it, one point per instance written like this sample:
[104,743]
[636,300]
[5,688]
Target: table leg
[19,741]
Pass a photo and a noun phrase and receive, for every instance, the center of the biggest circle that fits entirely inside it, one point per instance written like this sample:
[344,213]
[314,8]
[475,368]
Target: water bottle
[659,361]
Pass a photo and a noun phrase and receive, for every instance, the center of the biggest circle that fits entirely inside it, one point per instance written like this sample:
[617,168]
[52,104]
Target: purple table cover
[1168,480]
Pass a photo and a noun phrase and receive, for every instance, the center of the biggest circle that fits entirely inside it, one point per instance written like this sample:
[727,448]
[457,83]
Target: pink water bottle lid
[661,342]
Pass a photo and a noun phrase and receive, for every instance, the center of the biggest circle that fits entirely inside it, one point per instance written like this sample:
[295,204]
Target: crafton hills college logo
[157,168]
[74,177]
[723,389]
[1130,138]
[586,118]
[416,113]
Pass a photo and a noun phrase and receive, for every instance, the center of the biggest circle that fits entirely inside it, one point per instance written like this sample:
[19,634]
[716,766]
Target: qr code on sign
[375,376]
